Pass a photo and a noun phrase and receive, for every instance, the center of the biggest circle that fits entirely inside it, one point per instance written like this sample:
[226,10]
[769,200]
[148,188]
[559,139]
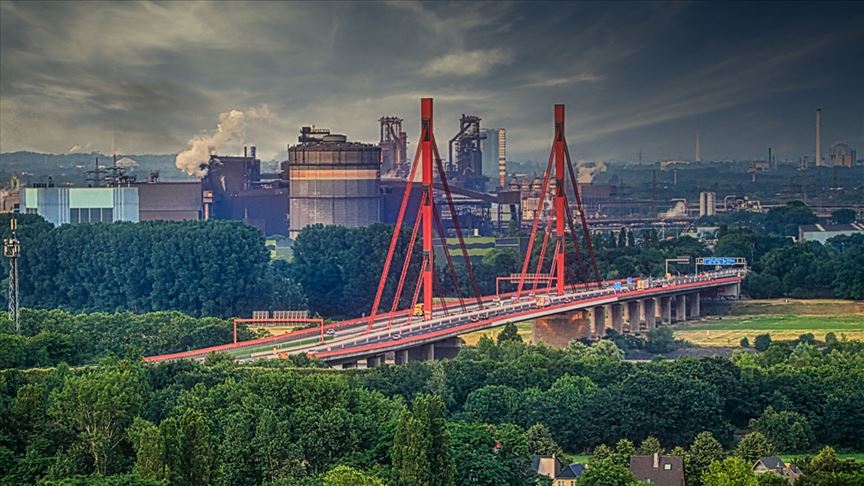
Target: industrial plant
[330,179]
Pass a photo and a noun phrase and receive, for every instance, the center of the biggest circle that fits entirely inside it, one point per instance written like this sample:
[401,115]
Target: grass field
[783,319]
[472,337]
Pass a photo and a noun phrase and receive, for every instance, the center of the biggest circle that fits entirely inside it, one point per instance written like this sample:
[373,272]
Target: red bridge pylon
[563,219]
[427,221]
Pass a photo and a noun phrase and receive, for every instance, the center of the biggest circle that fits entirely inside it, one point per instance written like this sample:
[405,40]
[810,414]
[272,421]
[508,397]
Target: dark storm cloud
[635,76]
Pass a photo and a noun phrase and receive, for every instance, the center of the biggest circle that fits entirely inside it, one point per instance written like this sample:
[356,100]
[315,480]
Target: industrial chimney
[819,137]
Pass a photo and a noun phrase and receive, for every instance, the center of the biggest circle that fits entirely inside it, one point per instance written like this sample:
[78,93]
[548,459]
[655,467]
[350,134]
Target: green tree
[753,447]
[762,342]
[660,340]
[509,333]
[745,343]
[606,472]
[348,476]
[149,450]
[788,431]
[732,471]
[540,441]
[476,450]
[843,216]
[98,406]
[704,450]
[650,446]
[421,446]
[771,480]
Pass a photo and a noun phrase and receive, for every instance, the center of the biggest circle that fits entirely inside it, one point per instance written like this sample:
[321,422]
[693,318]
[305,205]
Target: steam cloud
[589,169]
[230,128]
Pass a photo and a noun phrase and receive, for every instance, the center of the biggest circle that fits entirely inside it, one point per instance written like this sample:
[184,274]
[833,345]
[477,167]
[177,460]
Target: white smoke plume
[230,128]
[587,170]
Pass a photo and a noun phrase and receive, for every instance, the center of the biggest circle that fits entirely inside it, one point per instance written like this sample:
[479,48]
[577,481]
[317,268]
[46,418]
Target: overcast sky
[634,76]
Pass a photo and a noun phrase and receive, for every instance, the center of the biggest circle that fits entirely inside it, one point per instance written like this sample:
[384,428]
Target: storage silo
[333,181]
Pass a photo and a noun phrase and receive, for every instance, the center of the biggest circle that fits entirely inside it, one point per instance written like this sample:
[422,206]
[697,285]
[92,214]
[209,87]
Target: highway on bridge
[351,339]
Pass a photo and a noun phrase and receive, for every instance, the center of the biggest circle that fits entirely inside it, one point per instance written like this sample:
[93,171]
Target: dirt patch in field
[798,307]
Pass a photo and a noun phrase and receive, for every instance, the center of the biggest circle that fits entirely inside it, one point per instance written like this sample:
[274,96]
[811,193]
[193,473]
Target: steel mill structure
[333,181]
[562,293]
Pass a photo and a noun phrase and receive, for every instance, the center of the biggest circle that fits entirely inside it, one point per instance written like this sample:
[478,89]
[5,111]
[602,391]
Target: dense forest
[476,419]
[221,268]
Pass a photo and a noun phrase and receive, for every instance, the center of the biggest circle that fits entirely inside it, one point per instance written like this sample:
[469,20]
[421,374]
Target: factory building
[842,155]
[169,201]
[394,147]
[707,203]
[333,181]
[65,205]
[234,189]
[465,167]
[152,201]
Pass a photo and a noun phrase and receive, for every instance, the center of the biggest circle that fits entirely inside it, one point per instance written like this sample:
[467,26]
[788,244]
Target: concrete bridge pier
[680,308]
[402,356]
[693,305]
[598,321]
[447,349]
[650,310]
[665,310]
[616,314]
[634,317]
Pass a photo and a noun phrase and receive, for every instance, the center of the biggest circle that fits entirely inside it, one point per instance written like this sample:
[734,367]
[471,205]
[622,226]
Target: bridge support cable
[394,238]
[553,270]
[542,259]
[533,235]
[582,272]
[453,277]
[585,230]
[405,265]
[442,175]
[417,287]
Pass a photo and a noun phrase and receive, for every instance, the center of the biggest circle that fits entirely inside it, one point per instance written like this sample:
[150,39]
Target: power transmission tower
[12,250]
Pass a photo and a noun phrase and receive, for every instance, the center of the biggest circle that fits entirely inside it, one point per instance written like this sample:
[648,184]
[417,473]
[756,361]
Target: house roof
[542,464]
[813,228]
[572,471]
[771,462]
[669,470]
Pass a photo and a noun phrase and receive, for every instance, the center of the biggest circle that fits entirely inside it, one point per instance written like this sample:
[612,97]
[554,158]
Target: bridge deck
[351,338]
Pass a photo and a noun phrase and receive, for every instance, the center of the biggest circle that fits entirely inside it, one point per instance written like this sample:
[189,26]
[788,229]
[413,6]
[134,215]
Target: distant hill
[72,168]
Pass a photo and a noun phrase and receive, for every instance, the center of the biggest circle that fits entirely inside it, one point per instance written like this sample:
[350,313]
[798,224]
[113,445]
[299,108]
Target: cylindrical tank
[334,182]
[711,203]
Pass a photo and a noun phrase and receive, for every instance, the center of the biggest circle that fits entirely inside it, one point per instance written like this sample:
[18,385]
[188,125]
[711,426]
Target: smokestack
[252,152]
[502,157]
[819,137]
[245,151]
[698,148]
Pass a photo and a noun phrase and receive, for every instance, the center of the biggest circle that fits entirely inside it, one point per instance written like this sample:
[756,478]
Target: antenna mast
[12,250]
